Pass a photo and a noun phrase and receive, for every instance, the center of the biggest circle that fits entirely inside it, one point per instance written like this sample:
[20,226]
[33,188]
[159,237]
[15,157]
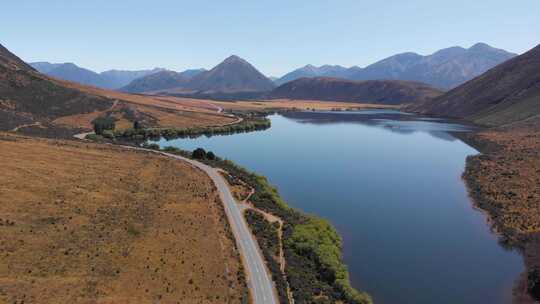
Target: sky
[275,36]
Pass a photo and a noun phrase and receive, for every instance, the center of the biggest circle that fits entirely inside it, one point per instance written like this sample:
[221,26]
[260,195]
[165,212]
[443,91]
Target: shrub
[199,153]
[533,283]
[210,155]
[151,146]
[108,134]
[103,123]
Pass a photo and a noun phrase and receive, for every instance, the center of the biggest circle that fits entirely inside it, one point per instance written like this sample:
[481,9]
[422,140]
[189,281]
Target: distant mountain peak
[234,59]
[481,46]
[234,74]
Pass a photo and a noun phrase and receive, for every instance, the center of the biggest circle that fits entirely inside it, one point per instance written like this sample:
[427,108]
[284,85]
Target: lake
[391,184]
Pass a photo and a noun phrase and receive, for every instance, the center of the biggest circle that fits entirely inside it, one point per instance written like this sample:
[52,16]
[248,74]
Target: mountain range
[233,75]
[112,79]
[369,91]
[161,81]
[505,94]
[444,69]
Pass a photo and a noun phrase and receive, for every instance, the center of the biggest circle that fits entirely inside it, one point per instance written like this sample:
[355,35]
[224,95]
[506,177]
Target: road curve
[258,279]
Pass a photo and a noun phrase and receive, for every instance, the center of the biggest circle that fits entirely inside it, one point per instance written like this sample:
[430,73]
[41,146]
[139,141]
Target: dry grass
[509,178]
[505,182]
[160,111]
[83,223]
[295,104]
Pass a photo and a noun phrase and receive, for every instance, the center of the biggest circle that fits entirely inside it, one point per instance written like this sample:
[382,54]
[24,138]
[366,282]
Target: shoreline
[300,230]
[483,199]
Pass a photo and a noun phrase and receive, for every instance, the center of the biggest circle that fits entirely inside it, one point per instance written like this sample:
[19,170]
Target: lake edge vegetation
[502,181]
[312,247]
[246,125]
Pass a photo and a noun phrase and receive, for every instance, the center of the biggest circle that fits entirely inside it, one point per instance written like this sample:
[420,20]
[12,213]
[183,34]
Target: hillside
[373,91]
[161,81]
[112,79]
[444,69]
[507,93]
[33,103]
[27,96]
[90,223]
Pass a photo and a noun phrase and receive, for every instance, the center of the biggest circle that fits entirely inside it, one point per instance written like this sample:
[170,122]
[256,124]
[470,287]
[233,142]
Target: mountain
[505,94]
[335,71]
[234,74]
[444,69]
[118,78]
[26,96]
[232,77]
[370,91]
[112,79]
[71,72]
[161,81]
[45,67]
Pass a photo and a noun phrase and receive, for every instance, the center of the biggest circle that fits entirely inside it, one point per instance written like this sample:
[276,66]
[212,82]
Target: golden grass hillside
[84,223]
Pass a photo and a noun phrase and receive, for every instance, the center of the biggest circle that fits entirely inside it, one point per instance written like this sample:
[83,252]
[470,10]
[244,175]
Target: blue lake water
[391,184]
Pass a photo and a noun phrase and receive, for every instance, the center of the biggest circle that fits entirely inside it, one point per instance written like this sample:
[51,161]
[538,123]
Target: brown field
[84,223]
[287,104]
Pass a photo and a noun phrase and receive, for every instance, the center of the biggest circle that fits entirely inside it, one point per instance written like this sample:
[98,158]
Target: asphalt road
[259,280]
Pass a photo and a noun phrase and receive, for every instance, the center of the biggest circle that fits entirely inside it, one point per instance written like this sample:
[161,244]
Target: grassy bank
[312,247]
[246,125]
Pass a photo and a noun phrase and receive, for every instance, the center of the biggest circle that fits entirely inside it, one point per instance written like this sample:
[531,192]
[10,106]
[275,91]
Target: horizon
[104,36]
[255,65]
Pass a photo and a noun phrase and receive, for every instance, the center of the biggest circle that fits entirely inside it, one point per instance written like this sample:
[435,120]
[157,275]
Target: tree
[199,153]
[210,155]
[103,123]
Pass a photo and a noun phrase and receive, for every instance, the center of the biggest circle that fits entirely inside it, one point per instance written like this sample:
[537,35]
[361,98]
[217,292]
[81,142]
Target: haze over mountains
[112,79]
[505,94]
[443,69]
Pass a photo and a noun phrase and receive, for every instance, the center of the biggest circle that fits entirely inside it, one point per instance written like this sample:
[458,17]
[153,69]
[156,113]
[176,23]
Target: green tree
[103,123]
[199,153]
[210,155]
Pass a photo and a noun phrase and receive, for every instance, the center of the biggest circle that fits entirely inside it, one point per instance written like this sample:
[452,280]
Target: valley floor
[81,222]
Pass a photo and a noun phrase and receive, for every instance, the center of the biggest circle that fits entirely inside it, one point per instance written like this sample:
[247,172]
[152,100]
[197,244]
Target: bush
[108,134]
[103,123]
[210,155]
[533,283]
[199,153]
[151,146]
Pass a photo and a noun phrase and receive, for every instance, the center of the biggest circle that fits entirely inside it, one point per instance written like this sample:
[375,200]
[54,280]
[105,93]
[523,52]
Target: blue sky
[275,36]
